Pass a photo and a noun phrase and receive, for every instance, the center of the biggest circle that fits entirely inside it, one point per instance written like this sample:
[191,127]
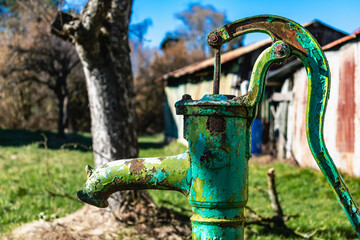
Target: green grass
[152,146]
[29,175]
[302,192]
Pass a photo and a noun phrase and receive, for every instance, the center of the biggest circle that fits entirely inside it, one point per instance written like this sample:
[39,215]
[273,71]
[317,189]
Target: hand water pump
[213,172]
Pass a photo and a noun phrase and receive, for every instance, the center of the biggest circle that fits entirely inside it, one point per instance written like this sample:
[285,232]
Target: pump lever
[304,46]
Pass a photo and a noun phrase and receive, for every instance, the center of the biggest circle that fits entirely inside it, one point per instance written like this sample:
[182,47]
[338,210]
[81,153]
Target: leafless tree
[40,57]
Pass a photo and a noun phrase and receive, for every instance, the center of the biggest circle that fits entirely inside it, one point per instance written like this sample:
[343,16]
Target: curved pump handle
[301,43]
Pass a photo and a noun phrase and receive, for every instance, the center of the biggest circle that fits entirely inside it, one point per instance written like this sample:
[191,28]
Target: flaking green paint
[305,47]
[198,187]
[171,173]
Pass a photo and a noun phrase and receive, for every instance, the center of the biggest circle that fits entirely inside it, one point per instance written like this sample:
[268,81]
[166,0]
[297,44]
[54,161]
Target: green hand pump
[213,172]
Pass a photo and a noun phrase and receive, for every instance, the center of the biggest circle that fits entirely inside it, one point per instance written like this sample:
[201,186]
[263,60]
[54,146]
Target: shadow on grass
[20,137]
[327,233]
[152,141]
[274,231]
[75,141]
[147,145]
[346,232]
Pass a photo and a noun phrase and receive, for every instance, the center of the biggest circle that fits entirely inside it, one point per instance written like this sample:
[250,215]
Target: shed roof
[231,55]
[225,57]
[342,41]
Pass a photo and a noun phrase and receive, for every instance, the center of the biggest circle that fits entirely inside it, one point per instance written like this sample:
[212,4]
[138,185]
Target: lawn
[34,180]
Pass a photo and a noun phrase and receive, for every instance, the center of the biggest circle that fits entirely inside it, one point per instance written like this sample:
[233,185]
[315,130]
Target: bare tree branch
[87,27]
[62,19]
[273,195]
[74,64]
[94,14]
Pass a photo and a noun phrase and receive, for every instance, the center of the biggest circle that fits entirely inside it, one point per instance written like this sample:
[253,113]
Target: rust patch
[300,145]
[161,158]
[303,102]
[137,165]
[216,124]
[345,136]
[205,158]
[238,110]
[214,38]
[279,30]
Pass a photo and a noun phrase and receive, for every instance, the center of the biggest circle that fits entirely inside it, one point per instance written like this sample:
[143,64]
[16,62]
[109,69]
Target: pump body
[219,148]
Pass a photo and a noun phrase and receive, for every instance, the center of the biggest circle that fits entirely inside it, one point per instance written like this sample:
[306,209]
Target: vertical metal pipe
[219,168]
[217,71]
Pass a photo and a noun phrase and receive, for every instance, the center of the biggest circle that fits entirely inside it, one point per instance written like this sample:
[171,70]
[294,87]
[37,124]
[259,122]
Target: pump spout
[169,173]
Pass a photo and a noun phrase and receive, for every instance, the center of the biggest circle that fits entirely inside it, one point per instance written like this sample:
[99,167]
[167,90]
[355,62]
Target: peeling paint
[172,174]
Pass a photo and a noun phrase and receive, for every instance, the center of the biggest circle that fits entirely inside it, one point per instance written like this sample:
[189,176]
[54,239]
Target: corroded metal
[213,172]
[217,71]
[217,128]
[168,173]
[305,47]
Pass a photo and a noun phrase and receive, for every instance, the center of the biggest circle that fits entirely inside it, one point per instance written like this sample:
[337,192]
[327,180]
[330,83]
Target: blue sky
[343,15]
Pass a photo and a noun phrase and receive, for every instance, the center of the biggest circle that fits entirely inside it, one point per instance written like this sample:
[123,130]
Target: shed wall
[342,119]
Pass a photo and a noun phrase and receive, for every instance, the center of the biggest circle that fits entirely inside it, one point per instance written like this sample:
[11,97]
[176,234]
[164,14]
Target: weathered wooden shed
[196,79]
[342,120]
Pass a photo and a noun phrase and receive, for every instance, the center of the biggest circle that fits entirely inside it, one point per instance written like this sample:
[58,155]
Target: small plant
[46,217]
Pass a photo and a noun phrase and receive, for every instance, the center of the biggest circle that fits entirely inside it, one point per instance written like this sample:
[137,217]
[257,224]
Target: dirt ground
[139,221]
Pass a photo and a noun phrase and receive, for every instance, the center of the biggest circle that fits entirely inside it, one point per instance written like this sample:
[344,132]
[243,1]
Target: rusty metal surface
[345,134]
[168,173]
[219,156]
[342,122]
[217,128]
[217,71]
[276,28]
[305,47]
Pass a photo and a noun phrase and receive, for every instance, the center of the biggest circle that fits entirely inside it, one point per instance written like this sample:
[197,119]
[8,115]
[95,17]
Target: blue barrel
[256,136]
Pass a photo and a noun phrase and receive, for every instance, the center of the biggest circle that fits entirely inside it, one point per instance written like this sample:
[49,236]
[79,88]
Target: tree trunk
[100,36]
[61,126]
[111,106]
[62,95]
[107,68]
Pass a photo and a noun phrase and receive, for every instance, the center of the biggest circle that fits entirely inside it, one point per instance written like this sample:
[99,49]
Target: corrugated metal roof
[341,41]
[225,57]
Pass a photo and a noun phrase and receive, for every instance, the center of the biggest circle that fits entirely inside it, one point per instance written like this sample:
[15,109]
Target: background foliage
[42,86]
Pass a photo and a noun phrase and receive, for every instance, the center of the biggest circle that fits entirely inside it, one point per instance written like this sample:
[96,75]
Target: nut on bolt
[281,50]
[214,39]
